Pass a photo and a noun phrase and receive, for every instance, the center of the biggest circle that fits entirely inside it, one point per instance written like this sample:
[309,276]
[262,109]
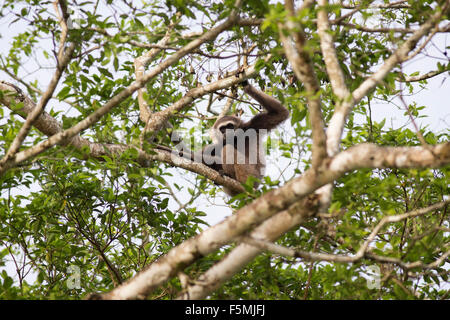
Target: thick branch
[334,70]
[362,156]
[63,18]
[369,155]
[363,251]
[261,239]
[269,230]
[298,56]
[303,68]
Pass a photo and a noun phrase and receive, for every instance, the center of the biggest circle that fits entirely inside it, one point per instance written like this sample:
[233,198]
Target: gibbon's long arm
[275,113]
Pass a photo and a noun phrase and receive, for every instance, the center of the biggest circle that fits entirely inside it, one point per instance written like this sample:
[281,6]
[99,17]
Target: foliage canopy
[68,214]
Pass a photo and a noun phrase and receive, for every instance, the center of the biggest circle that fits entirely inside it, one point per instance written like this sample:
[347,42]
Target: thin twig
[64,57]
[363,250]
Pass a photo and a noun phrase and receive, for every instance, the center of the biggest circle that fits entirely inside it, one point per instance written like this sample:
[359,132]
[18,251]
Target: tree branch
[361,156]
[363,252]
[50,127]
[158,119]
[339,118]
[141,63]
[63,59]
[334,70]
[393,5]
[397,57]
[302,65]
[424,76]
[270,230]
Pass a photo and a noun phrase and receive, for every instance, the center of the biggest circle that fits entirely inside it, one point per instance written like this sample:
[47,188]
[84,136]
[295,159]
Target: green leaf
[105,72]
[64,93]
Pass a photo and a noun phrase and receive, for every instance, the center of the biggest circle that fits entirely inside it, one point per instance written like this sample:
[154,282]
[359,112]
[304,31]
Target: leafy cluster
[110,217]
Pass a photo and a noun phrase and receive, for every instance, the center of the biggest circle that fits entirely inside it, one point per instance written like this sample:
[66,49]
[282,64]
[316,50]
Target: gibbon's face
[221,126]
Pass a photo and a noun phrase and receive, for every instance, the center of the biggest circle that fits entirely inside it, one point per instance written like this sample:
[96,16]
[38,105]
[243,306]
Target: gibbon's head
[217,132]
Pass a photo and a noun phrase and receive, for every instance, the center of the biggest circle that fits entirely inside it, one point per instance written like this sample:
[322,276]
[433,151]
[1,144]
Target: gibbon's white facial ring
[227,126]
[217,132]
